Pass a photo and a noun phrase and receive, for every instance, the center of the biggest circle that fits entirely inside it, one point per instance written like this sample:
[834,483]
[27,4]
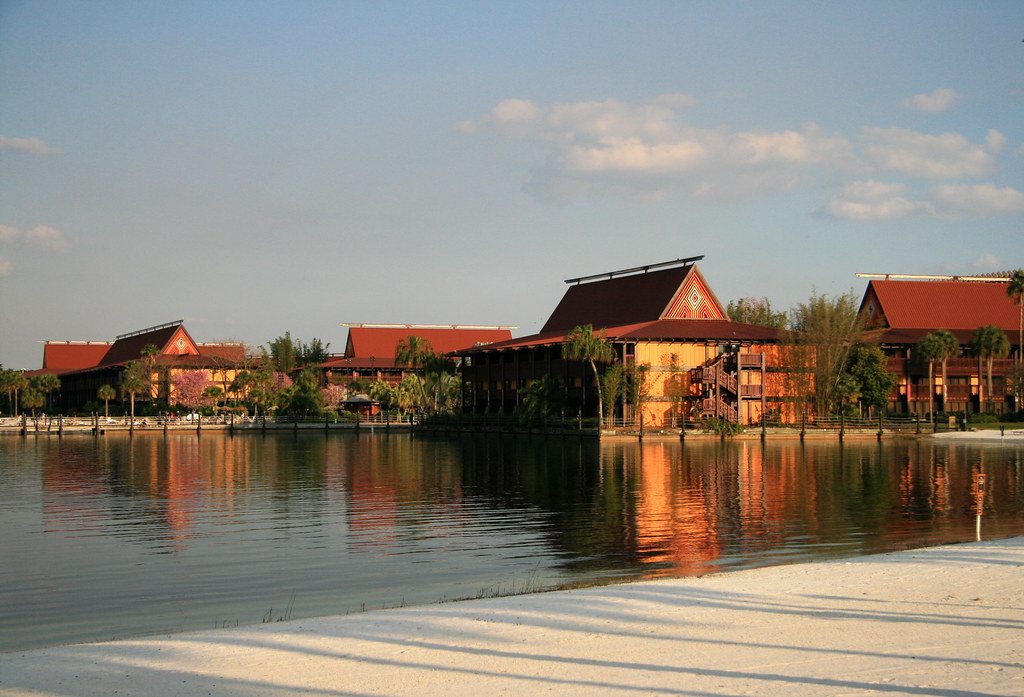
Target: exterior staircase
[722,387]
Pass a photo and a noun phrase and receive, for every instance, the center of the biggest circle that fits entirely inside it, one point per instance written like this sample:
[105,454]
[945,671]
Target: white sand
[1013,436]
[941,621]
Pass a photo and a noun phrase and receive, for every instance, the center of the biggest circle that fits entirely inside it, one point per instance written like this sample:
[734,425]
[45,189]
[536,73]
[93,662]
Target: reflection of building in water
[695,506]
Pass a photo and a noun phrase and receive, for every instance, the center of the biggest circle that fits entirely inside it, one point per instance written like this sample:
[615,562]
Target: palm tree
[133,381]
[927,349]
[990,342]
[415,352]
[943,346]
[149,354]
[581,344]
[13,381]
[46,384]
[106,393]
[1016,292]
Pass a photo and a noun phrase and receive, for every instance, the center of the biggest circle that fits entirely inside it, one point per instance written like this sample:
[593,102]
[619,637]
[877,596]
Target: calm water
[115,537]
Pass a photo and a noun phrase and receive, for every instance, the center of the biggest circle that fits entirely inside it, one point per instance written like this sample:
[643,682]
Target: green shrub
[721,427]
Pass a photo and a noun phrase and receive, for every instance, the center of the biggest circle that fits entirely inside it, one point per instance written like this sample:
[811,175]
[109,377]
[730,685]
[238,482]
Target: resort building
[370,348]
[84,366]
[901,310]
[663,319]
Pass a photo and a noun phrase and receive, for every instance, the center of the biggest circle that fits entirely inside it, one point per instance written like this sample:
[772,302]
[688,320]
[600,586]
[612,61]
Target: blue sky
[255,168]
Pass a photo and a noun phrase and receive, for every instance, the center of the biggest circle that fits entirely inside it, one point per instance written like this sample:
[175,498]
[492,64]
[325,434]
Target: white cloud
[995,141]
[41,236]
[987,262]
[978,199]
[939,100]
[32,146]
[872,200]
[647,151]
[5,267]
[945,156]
[8,233]
[46,238]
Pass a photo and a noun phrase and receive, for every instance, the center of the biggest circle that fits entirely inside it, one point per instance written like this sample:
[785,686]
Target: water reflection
[114,536]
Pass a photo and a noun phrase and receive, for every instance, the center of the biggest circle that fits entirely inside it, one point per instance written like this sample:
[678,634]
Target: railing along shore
[819,427]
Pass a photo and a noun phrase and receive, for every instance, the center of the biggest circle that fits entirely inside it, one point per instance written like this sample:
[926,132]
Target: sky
[256,168]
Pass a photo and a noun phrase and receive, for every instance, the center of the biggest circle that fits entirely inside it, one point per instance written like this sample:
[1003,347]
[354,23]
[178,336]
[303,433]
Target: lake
[113,537]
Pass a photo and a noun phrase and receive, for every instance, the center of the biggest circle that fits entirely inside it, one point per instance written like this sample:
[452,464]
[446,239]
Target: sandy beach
[939,621]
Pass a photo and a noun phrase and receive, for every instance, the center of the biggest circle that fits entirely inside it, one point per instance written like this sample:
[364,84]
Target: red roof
[67,356]
[380,342]
[230,352]
[953,305]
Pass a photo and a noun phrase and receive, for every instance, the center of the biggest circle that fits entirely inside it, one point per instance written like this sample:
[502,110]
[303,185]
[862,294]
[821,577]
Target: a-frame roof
[169,339]
[953,305]
[674,293]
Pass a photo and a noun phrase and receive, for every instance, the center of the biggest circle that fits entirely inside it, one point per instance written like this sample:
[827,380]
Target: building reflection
[656,508]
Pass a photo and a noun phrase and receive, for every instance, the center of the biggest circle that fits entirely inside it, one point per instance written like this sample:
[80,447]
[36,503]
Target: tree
[637,388]
[675,385]
[7,384]
[133,381]
[304,397]
[106,393]
[925,351]
[541,400]
[1016,292]
[824,332]
[412,351]
[583,345]
[283,353]
[212,395]
[189,386]
[940,345]
[383,393]
[46,384]
[313,353]
[32,398]
[990,342]
[756,311]
[333,395]
[417,354]
[611,387]
[262,385]
[241,384]
[946,346]
[868,377]
[440,380]
[408,393]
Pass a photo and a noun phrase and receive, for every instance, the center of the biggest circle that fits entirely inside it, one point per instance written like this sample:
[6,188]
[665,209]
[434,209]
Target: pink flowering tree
[188,388]
[333,394]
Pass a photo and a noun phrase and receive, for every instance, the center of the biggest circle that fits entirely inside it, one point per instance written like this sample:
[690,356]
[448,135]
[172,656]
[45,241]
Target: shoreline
[940,620]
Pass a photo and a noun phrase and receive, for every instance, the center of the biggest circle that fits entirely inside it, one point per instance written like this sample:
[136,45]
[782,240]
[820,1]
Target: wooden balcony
[751,391]
[751,360]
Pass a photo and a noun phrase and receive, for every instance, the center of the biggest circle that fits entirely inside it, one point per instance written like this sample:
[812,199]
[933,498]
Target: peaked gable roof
[675,293]
[953,305]
[169,339]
